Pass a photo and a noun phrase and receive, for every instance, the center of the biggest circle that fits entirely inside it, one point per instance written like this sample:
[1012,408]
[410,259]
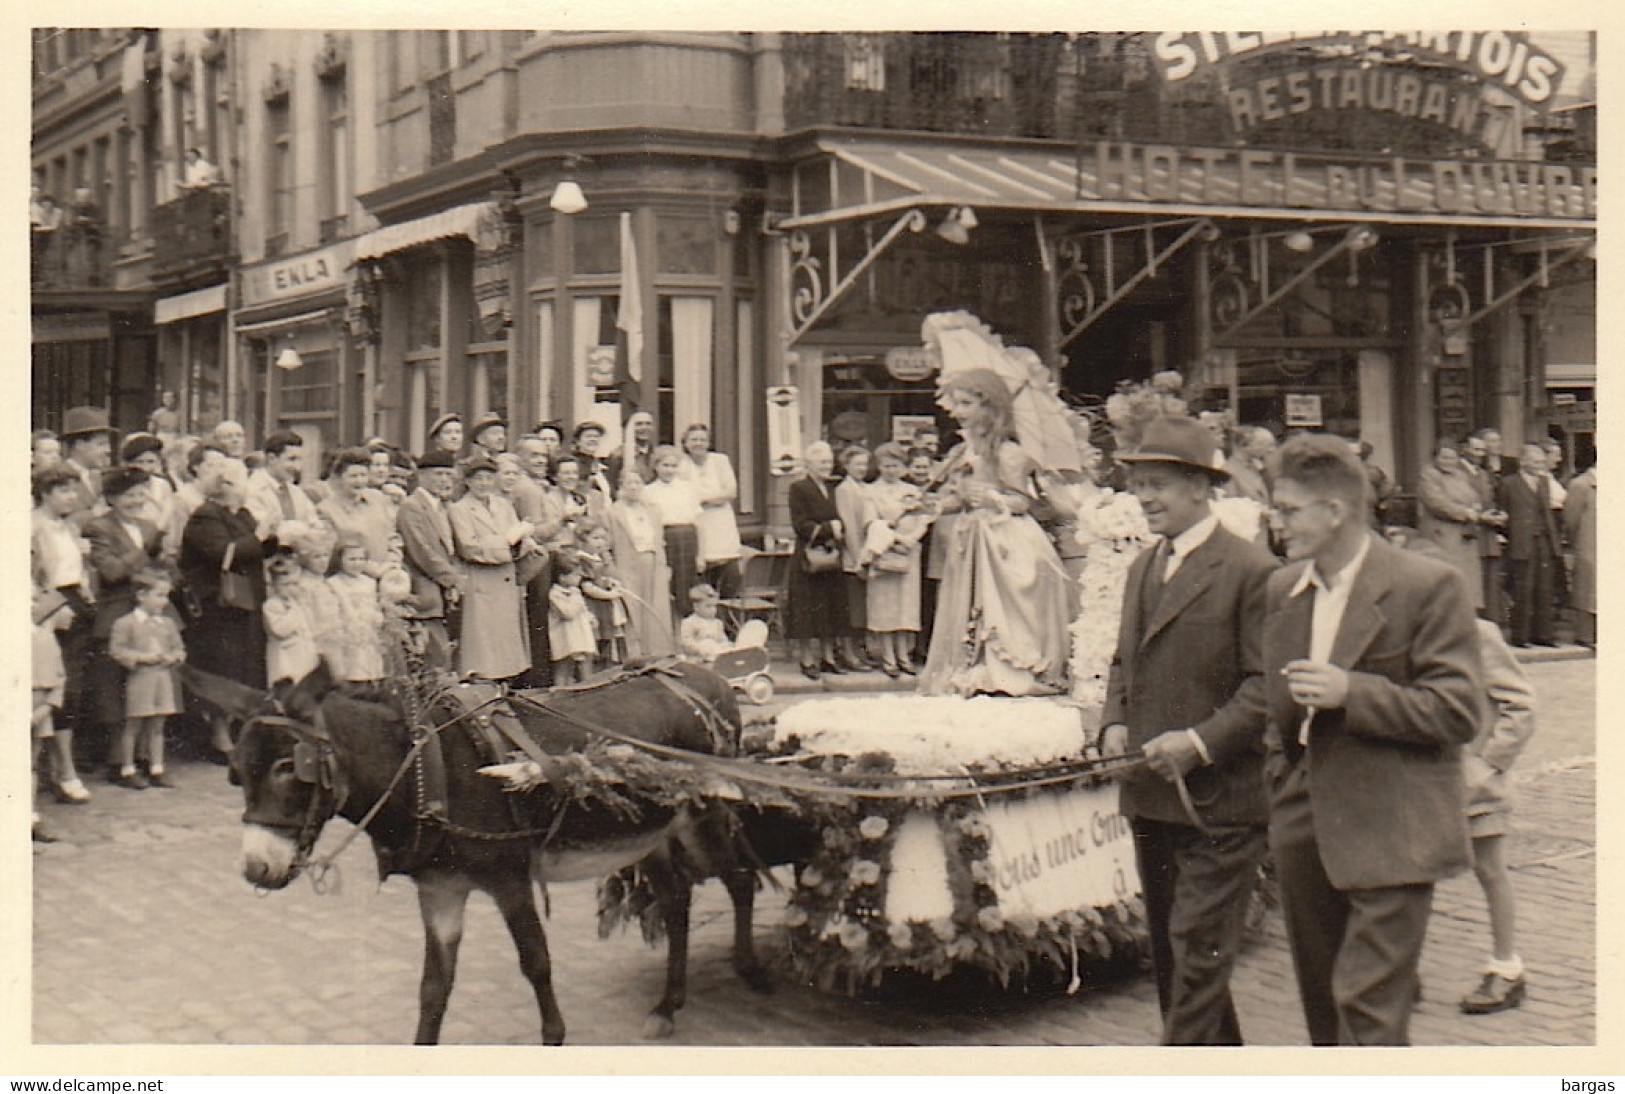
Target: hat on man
[137,445]
[80,421]
[479,463]
[1183,441]
[443,421]
[483,422]
[588,426]
[436,459]
[121,480]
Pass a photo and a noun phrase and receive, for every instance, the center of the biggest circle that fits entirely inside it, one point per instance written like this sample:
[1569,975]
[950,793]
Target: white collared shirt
[1181,546]
[1332,601]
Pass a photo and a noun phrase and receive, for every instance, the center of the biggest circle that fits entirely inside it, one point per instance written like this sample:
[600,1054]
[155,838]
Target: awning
[190,305]
[865,177]
[321,315]
[463,220]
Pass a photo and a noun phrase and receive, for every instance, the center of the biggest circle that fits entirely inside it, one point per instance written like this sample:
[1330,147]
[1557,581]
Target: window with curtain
[687,330]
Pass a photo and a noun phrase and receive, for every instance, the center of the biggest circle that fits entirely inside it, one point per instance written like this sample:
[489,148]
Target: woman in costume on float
[1001,625]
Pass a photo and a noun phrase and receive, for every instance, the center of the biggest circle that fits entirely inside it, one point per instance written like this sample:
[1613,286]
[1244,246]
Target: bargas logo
[1589,1086]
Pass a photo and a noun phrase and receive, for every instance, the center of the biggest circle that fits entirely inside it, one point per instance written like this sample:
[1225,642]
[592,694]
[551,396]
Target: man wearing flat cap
[446,434]
[1185,691]
[87,447]
[489,435]
[430,554]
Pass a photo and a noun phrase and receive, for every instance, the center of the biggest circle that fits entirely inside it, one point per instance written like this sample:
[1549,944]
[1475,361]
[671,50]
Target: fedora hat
[80,421]
[1183,441]
[137,445]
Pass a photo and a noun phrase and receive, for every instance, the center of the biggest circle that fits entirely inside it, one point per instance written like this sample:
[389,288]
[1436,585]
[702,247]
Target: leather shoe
[833,668]
[890,670]
[810,671]
[907,668]
[72,792]
[1495,993]
[133,781]
[159,779]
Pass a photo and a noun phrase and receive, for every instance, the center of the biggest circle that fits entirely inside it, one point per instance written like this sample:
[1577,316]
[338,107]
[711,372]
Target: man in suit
[1481,460]
[1533,550]
[87,448]
[430,555]
[1185,689]
[1373,680]
[122,543]
[274,493]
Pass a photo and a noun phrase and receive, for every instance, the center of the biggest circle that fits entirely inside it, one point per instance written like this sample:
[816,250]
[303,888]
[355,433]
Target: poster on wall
[1303,411]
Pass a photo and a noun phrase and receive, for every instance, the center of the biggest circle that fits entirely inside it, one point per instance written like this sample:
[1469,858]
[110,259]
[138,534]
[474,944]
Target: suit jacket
[264,500]
[1195,663]
[429,550]
[1384,771]
[115,560]
[1528,514]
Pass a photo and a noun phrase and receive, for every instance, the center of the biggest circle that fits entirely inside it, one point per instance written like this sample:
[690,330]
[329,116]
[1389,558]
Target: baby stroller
[745,666]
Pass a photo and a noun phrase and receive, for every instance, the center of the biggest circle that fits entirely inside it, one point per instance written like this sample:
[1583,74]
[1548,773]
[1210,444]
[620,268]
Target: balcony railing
[74,254]
[1005,85]
[192,234]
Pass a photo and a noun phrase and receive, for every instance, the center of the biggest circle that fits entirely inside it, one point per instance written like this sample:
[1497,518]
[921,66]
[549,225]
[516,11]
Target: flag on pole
[629,316]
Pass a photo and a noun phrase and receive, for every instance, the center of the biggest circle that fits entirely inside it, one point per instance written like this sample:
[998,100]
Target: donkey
[314,751]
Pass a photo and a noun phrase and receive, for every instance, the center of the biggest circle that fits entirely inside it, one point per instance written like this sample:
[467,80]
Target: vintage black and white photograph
[818,538]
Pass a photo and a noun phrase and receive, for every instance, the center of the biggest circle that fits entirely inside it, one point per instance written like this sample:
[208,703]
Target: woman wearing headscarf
[815,611]
[1002,615]
[226,638]
[639,547]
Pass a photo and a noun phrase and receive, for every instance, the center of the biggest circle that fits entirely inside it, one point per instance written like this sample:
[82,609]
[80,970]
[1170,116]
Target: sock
[1512,970]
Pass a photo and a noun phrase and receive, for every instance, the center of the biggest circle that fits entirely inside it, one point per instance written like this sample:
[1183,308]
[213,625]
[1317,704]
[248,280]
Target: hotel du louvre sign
[1122,171]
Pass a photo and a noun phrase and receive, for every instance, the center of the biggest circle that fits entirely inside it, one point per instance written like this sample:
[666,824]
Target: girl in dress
[146,641]
[290,646]
[890,552]
[679,505]
[361,619]
[570,626]
[602,592]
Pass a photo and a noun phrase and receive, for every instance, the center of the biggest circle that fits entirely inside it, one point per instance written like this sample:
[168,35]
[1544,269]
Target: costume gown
[1001,621]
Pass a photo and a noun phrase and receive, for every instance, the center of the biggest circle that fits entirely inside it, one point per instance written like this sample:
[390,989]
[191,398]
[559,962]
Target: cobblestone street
[144,933]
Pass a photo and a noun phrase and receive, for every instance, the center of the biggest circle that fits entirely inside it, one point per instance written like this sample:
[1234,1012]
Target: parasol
[1043,428]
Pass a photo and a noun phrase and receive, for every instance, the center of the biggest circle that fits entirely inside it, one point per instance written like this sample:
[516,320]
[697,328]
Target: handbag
[822,558]
[892,562]
[236,591]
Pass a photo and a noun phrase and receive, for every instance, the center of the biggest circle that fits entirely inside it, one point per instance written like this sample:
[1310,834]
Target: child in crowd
[603,592]
[146,641]
[50,615]
[361,618]
[290,648]
[701,635]
[570,626]
[313,547]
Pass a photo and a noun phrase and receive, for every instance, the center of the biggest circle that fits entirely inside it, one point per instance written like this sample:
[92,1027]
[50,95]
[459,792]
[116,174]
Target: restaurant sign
[1505,59]
[1122,171]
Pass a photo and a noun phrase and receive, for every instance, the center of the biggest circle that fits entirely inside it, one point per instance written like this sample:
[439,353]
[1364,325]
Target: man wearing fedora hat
[87,447]
[489,436]
[1185,691]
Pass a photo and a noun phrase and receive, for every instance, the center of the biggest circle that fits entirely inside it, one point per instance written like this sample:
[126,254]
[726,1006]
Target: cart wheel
[759,689]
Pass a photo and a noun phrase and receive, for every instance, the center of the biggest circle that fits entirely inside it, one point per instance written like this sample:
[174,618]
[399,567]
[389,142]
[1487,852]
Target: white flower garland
[1114,531]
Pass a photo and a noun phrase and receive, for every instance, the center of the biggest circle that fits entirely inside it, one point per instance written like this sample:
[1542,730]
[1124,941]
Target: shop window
[686,245]
[864,404]
[313,387]
[1310,389]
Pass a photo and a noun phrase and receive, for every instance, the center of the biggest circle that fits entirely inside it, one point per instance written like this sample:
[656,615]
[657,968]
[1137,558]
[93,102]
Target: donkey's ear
[228,697]
[306,695]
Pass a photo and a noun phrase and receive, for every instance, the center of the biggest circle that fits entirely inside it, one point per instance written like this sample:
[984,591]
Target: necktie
[284,496]
[1151,589]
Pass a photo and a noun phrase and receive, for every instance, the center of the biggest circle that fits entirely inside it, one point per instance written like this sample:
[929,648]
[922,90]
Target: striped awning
[463,220]
[860,177]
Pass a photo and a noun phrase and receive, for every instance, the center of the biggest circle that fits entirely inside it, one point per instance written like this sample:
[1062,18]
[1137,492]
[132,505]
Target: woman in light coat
[639,548]
[488,534]
[712,476]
